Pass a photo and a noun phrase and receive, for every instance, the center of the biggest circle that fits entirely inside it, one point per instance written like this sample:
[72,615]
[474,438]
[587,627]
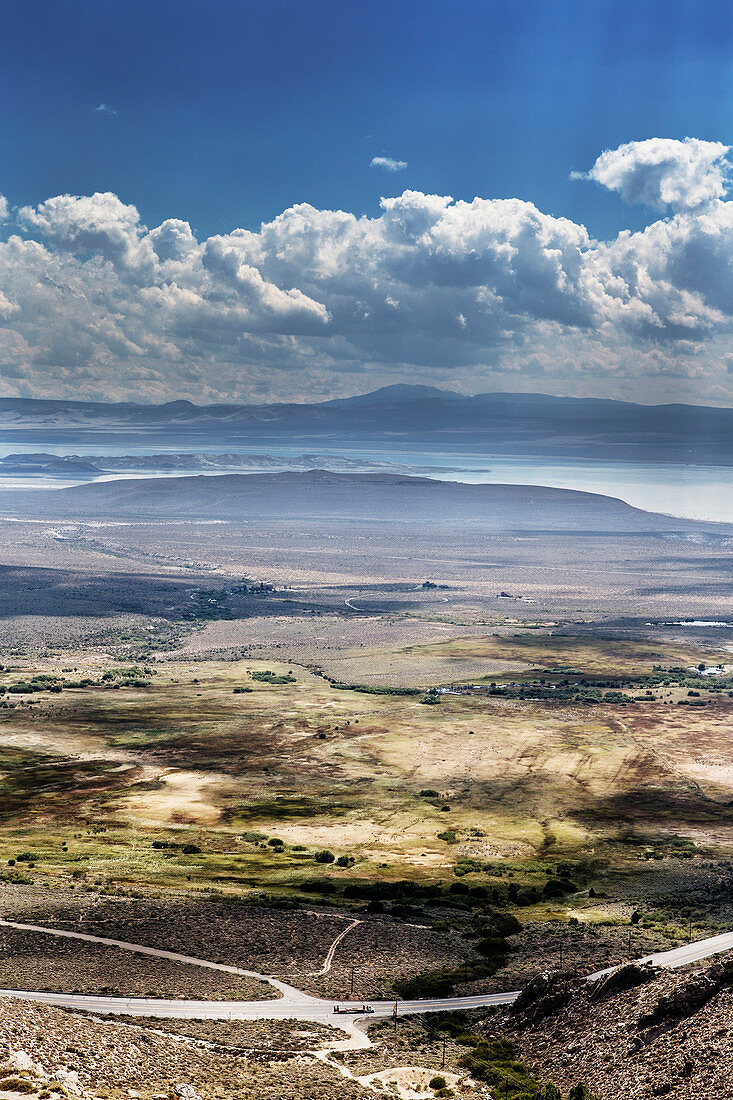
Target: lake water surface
[691,491]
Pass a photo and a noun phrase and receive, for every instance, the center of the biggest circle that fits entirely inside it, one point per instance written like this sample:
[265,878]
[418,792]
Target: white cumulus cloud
[662,172]
[90,223]
[95,303]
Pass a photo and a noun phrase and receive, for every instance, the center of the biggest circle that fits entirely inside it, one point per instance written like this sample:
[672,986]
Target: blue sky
[228,111]
[177,128]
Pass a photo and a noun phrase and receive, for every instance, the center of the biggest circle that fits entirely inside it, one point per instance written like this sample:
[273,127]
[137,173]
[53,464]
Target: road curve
[286,990]
[315,1008]
[294,1004]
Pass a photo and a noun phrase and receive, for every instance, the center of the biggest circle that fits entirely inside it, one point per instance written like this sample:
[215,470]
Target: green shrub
[268,677]
[436,984]
[318,886]
[557,888]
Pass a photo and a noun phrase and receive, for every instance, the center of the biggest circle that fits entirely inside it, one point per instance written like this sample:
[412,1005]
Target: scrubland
[231,740]
[215,780]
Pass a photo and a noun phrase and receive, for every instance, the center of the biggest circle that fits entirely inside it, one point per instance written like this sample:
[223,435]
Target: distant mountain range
[410,416]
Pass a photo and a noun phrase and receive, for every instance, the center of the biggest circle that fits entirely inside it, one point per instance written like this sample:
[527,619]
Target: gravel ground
[104,1060]
[382,952]
[239,934]
[33,961]
[274,1037]
[554,946]
[290,944]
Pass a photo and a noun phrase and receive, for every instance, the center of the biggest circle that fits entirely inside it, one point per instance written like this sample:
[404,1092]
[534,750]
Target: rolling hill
[370,498]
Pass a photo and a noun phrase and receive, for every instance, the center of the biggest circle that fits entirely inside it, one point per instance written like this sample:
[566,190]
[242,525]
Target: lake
[691,491]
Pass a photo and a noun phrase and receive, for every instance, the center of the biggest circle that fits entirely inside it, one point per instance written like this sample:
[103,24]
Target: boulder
[622,978]
[546,994]
[69,1078]
[184,1091]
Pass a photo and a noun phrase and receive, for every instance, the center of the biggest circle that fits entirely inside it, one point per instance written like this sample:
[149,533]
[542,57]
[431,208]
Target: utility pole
[352,979]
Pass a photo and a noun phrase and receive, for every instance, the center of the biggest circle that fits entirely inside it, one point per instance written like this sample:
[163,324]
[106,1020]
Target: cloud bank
[491,293]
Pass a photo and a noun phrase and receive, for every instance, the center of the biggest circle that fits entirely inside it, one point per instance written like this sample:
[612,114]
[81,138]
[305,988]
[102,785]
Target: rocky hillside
[638,1034]
[46,1052]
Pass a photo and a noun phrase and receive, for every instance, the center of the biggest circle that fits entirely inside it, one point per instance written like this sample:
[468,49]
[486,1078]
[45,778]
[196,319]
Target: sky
[227,200]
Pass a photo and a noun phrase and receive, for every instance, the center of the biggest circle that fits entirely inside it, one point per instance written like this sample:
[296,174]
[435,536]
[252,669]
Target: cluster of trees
[46,681]
[371,689]
[187,849]
[565,691]
[268,677]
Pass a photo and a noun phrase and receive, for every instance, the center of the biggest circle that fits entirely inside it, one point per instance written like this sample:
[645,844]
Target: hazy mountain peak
[399,393]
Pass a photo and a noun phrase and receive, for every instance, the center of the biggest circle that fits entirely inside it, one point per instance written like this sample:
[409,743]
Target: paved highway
[692,952]
[293,1003]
